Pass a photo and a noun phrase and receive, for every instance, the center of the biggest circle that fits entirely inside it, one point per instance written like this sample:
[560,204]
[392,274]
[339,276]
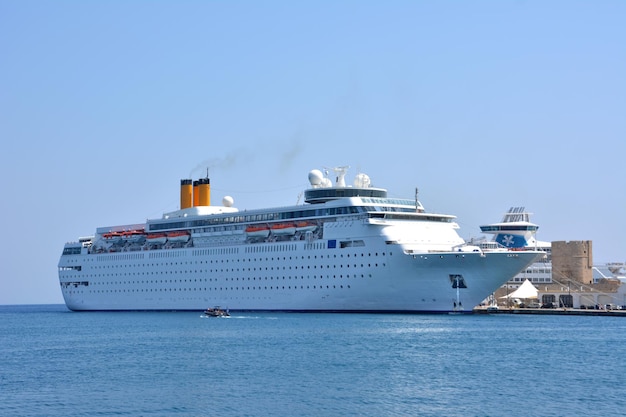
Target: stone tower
[572,261]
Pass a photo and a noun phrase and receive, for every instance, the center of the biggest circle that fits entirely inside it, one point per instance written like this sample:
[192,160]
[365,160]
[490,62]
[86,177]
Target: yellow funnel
[186,194]
[205,192]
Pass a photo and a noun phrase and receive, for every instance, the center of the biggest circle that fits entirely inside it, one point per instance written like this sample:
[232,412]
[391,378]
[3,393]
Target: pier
[552,311]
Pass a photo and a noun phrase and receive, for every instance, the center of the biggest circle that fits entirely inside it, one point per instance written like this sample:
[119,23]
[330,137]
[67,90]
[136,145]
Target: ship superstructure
[517,232]
[348,248]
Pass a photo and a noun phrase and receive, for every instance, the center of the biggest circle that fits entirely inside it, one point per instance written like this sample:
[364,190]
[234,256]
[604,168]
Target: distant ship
[517,232]
[346,249]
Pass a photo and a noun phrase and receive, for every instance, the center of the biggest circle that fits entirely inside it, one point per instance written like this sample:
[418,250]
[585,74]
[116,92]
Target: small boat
[113,237]
[304,227]
[257,231]
[283,229]
[179,236]
[216,312]
[156,238]
[134,236]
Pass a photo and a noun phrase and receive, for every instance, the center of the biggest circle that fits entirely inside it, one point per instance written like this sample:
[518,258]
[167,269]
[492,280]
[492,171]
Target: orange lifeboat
[134,236]
[283,229]
[181,236]
[156,238]
[112,235]
[257,231]
[305,227]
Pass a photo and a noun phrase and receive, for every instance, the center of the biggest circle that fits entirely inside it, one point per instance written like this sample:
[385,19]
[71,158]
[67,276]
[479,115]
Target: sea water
[60,363]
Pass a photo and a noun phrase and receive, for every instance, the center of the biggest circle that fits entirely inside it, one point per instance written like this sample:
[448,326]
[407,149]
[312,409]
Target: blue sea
[60,363]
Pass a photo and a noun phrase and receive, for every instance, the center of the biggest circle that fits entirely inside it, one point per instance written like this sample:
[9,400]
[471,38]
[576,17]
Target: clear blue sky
[483,105]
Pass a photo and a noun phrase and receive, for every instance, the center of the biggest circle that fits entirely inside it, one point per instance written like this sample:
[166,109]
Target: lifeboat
[257,231]
[134,236]
[283,229]
[178,237]
[112,237]
[304,227]
[156,238]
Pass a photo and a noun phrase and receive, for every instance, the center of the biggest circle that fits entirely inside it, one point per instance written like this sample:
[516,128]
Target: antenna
[341,173]
[417,203]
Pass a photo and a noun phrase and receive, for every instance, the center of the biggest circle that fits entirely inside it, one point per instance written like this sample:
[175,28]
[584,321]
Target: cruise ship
[347,248]
[516,231]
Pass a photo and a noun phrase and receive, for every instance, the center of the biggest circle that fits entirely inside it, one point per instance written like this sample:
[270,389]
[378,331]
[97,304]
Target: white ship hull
[378,277]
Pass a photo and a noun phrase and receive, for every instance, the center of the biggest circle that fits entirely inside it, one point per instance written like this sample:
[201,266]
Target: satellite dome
[227,201]
[316,177]
[362,181]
